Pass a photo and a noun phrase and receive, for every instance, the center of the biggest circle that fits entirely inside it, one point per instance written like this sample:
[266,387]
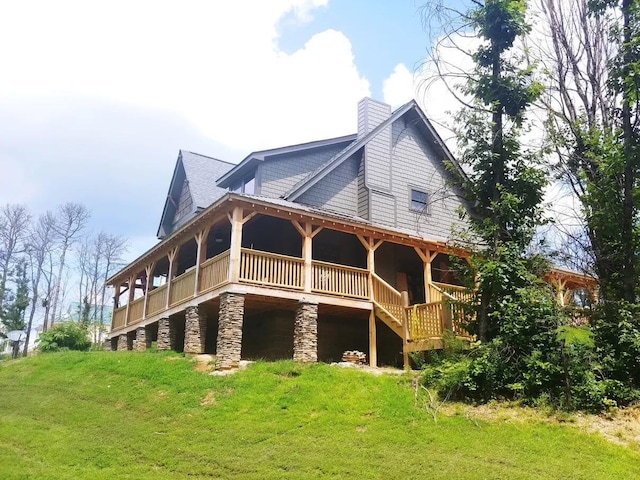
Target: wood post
[173,265]
[373,344]
[371,245]
[427,257]
[201,252]
[235,250]
[404,298]
[132,291]
[560,284]
[149,271]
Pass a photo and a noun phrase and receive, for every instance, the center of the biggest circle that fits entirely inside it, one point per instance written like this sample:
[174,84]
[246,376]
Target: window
[246,185]
[419,201]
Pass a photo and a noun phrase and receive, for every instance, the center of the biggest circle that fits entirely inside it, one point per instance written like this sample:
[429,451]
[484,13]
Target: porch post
[404,299]
[305,333]
[149,271]
[166,334]
[201,252]
[560,295]
[235,250]
[143,340]
[230,319]
[427,257]
[307,245]
[195,331]
[373,345]
[371,245]
[132,291]
[173,265]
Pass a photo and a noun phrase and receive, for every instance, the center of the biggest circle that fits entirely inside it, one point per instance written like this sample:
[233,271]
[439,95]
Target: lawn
[149,415]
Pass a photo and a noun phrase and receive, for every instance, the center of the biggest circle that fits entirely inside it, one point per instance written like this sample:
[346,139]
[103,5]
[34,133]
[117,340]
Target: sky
[97,98]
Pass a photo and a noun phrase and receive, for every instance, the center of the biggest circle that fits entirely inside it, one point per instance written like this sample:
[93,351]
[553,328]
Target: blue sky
[97,98]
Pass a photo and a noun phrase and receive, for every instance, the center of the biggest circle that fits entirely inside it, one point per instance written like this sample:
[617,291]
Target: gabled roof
[323,170]
[251,160]
[201,172]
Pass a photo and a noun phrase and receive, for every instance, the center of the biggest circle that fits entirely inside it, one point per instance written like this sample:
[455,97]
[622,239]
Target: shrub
[65,336]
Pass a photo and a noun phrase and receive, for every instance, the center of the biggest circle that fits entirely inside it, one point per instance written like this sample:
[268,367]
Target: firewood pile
[354,356]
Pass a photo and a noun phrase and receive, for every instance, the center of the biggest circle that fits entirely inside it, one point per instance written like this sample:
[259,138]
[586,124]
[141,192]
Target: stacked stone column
[143,339]
[305,333]
[166,334]
[123,342]
[229,343]
[195,331]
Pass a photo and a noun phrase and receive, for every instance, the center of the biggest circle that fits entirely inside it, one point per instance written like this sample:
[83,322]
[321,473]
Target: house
[305,251]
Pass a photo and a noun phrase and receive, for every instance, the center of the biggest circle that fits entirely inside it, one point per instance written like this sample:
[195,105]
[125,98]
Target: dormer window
[246,185]
[419,201]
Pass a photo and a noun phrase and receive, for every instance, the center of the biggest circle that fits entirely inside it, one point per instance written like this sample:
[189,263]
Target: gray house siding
[383,208]
[278,175]
[363,193]
[415,165]
[338,191]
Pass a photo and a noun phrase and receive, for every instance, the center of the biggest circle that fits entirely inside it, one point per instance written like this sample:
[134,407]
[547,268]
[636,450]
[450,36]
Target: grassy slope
[130,415]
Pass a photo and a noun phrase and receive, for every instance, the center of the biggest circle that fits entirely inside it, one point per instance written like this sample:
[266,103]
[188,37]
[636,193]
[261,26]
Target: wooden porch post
[173,265]
[235,250]
[373,344]
[149,271]
[371,245]
[404,298]
[201,252]
[132,291]
[427,257]
[116,295]
[560,284]
[307,232]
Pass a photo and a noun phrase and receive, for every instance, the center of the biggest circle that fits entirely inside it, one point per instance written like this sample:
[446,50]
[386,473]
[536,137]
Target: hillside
[130,415]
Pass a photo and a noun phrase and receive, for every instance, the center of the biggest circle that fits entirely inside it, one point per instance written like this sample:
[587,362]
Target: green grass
[129,415]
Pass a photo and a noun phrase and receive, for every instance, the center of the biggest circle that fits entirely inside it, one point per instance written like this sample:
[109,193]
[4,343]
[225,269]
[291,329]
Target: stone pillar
[229,344]
[143,340]
[195,330]
[305,333]
[123,342]
[107,345]
[166,334]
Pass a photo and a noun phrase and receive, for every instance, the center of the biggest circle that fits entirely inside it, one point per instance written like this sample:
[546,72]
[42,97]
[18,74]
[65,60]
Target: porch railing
[157,300]
[135,311]
[182,287]
[339,280]
[271,269]
[387,297]
[214,272]
[425,320]
[458,292]
[119,317]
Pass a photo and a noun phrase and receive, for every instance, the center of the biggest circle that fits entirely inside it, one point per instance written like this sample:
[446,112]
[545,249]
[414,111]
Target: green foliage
[15,304]
[65,336]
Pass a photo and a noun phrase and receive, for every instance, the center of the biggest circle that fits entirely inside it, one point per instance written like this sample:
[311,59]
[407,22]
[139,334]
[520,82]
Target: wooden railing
[271,269]
[425,320]
[135,311]
[387,297]
[214,272]
[157,300]
[458,292]
[182,287]
[339,280]
[119,317]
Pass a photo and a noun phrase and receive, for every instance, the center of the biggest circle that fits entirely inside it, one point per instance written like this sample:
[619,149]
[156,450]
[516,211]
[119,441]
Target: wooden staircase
[420,326]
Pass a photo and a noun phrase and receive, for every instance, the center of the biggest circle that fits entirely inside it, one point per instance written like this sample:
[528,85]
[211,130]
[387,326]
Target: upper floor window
[419,201]
[246,185]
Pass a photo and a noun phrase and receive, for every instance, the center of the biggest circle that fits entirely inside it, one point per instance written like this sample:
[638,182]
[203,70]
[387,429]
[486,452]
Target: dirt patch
[223,373]
[621,427]
[209,400]
[204,363]
[372,370]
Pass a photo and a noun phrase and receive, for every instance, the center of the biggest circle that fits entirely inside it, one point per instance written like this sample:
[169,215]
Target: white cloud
[217,64]
[398,88]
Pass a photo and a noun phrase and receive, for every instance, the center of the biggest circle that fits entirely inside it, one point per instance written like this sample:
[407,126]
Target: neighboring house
[303,251]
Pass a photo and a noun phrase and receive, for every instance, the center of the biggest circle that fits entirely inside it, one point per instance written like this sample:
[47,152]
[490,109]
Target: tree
[71,219]
[39,247]
[14,222]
